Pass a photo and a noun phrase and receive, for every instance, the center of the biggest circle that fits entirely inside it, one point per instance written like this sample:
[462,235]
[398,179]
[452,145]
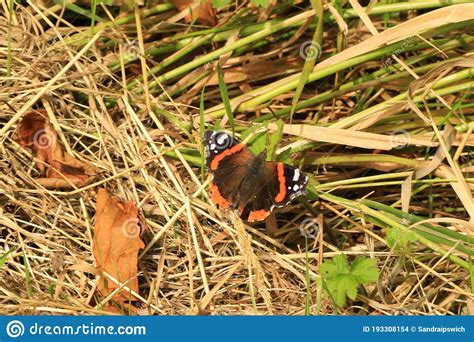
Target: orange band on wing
[258,215]
[281,179]
[217,197]
[215,162]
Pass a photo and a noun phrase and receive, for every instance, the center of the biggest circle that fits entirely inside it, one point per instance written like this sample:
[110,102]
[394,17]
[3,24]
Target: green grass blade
[275,139]
[310,53]
[4,257]
[29,289]
[94,8]
[225,97]
[81,11]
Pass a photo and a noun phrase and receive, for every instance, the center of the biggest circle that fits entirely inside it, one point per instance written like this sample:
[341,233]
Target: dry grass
[144,142]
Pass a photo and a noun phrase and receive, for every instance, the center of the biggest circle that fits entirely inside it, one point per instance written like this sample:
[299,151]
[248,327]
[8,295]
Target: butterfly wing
[292,182]
[228,160]
[280,184]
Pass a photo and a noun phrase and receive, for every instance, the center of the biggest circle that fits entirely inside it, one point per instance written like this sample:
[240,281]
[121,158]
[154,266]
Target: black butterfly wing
[279,184]
[292,183]
[228,160]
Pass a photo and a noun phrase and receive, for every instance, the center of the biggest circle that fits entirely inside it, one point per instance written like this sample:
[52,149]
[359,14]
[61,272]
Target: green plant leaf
[258,142]
[343,279]
[365,270]
[275,139]
[264,140]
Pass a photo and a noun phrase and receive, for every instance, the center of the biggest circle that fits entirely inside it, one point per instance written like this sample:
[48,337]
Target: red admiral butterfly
[247,182]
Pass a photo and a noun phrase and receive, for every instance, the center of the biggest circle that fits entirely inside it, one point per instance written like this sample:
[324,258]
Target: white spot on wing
[296,175]
[213,146]
[296,187]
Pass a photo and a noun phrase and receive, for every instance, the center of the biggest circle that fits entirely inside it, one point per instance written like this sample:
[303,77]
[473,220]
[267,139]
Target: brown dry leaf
[256,71]
[405,195]
[116,244]
[440,155]
[205,12]
[444,171]
[62,171]
[426,168]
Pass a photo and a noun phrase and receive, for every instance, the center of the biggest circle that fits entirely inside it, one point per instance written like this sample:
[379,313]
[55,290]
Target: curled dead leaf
[61,170]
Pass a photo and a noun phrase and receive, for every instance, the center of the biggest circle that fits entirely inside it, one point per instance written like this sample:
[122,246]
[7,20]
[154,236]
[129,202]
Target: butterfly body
[247,182]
